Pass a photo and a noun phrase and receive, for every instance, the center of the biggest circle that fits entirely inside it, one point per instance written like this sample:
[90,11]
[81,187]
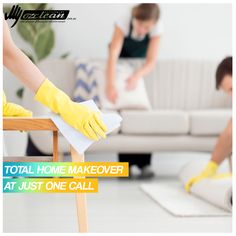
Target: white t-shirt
[124,24]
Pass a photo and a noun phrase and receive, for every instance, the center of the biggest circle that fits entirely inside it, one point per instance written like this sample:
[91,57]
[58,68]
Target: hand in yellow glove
[209,171]
[78,116]
[11,109]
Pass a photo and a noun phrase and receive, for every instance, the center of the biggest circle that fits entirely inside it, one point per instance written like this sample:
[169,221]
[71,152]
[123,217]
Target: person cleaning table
[78,116]
[136,35]
[223,147]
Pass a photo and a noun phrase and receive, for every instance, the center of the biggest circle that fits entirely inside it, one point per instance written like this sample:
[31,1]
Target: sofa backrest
[173,84]
[185,85]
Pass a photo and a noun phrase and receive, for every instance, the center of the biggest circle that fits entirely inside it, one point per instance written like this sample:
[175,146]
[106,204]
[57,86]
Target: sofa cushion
[136,98]
[154,122]
[86,86]
[209,122]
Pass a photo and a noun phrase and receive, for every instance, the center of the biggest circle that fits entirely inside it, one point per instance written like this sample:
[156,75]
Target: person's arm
[221,151]
[223,146]
[148,65]
[19,64]
[78,116]
[151,57]
[114,51]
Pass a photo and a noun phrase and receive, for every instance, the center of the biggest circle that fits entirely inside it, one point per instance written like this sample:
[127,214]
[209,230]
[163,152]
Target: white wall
[190,30]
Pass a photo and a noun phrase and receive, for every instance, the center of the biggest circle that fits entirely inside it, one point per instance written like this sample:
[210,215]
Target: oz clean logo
[16,13]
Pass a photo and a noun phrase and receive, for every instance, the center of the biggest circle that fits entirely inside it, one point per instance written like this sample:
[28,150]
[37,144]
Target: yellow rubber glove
[11,109]
[222,176]
[209,171]
[78,116]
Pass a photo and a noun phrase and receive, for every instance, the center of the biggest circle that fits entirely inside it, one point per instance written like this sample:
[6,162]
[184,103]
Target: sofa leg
[81,201]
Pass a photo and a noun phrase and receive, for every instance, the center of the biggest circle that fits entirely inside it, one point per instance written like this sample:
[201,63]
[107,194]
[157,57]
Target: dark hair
[146,11]
[223,69]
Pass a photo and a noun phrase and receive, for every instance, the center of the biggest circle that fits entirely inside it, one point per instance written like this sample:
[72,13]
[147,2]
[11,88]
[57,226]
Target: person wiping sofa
[78,116]
[223,148]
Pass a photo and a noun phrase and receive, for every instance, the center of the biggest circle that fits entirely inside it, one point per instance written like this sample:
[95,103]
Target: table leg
[55,146]
[81,201]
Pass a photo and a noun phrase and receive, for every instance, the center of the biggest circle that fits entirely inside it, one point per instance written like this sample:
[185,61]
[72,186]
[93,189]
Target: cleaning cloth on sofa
[217,191]
[78,140]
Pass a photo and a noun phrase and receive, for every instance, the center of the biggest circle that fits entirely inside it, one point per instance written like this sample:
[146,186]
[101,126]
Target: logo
[16,13]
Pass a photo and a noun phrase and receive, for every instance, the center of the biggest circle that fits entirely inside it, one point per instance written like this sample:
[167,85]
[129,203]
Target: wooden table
[46,124]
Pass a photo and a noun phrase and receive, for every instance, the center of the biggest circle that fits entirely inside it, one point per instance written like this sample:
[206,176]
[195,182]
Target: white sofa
[188,113]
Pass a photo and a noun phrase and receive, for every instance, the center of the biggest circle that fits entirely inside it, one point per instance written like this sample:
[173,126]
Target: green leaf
[42,6]
[35,26]
[26,31]
[29,6]
[44,43]
[41,25]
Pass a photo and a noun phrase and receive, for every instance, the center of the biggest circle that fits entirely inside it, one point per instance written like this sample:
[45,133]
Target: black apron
[133,48]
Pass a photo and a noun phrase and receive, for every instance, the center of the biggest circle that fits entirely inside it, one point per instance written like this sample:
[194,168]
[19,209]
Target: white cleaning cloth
[78,140]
